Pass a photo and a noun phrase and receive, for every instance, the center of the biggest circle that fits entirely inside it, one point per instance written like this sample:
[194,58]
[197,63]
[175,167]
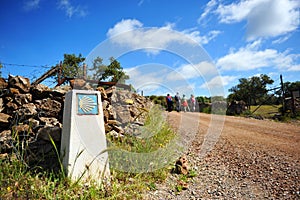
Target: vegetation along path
[252,159]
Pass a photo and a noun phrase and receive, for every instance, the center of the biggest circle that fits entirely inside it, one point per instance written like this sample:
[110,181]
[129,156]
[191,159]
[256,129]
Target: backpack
[176,98]
[169,99]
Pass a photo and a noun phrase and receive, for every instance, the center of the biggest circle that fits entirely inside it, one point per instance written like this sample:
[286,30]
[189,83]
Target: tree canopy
[71,65]
[291,86]
[98,68]
[71,68]
[251,90]
[113,72]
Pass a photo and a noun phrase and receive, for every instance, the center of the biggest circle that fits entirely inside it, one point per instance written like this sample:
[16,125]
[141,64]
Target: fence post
[59,73]
[84,71]
[283,95]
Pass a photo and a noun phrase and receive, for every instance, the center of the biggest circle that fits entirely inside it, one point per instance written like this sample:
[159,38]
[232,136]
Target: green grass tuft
[19,181]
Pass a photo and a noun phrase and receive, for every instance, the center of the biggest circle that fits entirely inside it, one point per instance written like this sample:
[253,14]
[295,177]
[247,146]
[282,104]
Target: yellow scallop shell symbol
[87,104]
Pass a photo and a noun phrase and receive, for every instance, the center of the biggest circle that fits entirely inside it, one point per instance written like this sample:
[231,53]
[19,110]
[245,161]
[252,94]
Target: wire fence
[32,72]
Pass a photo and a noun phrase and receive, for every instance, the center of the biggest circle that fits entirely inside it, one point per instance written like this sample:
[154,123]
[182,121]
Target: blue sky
[193,47]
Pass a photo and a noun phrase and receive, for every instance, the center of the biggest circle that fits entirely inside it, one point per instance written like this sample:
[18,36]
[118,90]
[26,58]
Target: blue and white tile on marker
[87,104]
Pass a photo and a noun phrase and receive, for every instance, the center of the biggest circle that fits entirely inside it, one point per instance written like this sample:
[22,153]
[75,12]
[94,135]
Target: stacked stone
[32,116]
[236,108]
[123,111]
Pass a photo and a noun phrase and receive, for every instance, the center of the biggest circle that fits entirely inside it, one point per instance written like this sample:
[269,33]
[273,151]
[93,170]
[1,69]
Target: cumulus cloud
[205,39]
[208,9]
[136,36]
[281,39]
[72,10]
[218,81]
[294,68]
[265,18]
[144,79]
[31,5]
[190,71]
[226,80]
[250,57]
[124,26]
[154,79]
[236,12]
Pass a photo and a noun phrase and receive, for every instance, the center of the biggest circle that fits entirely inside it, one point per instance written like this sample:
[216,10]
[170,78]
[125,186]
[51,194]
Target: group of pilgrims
[181,103]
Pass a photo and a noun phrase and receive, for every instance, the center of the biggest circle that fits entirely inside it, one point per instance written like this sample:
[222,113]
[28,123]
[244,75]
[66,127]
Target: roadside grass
[155,136]
[19,181]
[272,112]
[265,111]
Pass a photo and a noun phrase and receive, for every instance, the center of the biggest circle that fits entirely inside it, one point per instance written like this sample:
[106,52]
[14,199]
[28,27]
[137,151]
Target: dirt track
[252,159]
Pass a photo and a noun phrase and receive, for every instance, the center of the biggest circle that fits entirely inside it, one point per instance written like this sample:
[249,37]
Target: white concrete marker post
[83,142]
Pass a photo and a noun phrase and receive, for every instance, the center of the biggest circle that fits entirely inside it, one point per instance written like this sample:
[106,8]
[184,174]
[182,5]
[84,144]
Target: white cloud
[124,26]
[228,80]
[249,58]
[287,62]
[202,39]
[236,12]
[148,81]
[154,79]
[140,2]
[216,86]
[136,36]
[72,10]
[265,18]
[190,71]
[281,39]
[218,81]
[294,68]
[31,4]
[209,7]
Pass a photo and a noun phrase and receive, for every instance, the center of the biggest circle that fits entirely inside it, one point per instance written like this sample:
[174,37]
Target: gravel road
[236,158]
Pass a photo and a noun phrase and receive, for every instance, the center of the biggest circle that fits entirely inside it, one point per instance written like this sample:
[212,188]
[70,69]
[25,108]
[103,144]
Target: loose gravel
[252,159]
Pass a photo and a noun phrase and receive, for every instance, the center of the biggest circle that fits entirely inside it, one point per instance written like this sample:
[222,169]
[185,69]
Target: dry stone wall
[30,114]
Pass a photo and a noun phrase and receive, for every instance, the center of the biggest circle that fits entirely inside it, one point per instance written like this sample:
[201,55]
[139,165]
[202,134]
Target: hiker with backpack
[178,102]
[185,104]
[193,103]
[169,103]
